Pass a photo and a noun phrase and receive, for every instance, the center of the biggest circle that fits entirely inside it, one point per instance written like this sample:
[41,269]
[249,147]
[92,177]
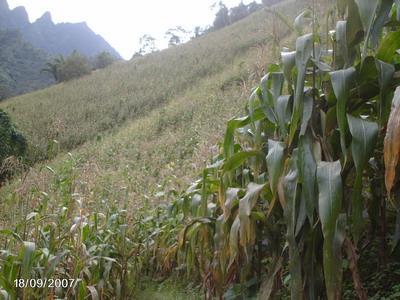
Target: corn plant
[298,181]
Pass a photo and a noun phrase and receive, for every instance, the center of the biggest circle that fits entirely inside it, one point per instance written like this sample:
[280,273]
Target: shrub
[12,143]
[74,66]
[103,60]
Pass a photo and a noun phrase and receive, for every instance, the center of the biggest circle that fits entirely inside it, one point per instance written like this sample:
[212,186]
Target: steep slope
[77,111]
[53,38]
[172,107]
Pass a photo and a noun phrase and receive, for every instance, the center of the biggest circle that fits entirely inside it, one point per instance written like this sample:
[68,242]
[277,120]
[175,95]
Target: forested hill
[54,38]
[27,47]
[20,65]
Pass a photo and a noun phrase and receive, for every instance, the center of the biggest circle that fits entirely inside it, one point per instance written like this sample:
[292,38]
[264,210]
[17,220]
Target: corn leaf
[283,113]
[304,47]
[235,124]
[307,174]
[288,63]
[368,10]
[381,19]
[234,240]
[275,161]
[388,47]
[386,72]
[341,82]
[392,142]
[330,203]
[364,135]
[341,41]
[290,213]
[238,159]
[246,204]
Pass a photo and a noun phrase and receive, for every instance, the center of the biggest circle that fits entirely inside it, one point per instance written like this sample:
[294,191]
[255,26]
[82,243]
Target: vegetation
[297,202]
[103,60]
[74,66]
[20,66]
[12,146]
[69,112]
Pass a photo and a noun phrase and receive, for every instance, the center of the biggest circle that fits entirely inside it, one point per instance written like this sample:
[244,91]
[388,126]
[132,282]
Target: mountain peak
[20,15]
[4,5]
[45,19]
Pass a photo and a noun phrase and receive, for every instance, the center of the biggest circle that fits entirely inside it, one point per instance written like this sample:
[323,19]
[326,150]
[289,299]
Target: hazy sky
[123,22]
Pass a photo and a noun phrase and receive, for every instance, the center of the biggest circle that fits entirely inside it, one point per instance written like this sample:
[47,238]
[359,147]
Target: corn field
[303,192]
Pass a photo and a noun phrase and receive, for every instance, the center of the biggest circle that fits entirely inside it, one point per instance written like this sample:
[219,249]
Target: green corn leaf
[330,202]
[398,10]
[341,41]
[364,135]
[235,124]
[304,47]
[388,47]
[266,97]
[354,28]
[308,106]
[288,63]
[368,10]
[341,82]
[386,72]
[238,159]
[382,18]
[283,113]
[330,195]
[27,254]
[307,174]
[290,213]
[301,20]
[275,162]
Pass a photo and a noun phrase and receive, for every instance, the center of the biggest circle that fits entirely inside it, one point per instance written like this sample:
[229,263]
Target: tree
[147,44]
[74,66]
[270,2]
[198,31]
[103,60]
[54,67]
[176,36]
[253,7]
[221,17]
[12,143]
[238,12]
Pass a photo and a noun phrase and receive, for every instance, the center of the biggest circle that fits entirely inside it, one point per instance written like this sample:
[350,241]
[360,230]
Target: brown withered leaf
[392,142]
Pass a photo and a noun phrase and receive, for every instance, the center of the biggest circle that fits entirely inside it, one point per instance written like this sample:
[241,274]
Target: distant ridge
[25,48]
[53,38]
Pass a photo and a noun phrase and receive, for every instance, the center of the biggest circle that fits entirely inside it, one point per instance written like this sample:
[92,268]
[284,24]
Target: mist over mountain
[53,38]
[26,48]
[20,65]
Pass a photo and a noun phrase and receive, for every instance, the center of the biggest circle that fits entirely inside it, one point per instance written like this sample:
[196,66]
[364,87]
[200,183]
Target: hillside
[20,65]
[69,112]
[143,174]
